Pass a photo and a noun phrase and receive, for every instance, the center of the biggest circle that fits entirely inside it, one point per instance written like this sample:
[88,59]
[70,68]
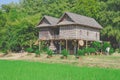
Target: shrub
[29,50]
[49,52]
[117,50]
[65,52]
[37,52]
[96,45]
[89,50]
[5,51]
[111,51]
[80,52]
[92,50]
[86,50]
[105,45]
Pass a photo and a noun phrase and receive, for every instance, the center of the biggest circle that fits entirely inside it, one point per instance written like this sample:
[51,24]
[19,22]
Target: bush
[96,45]
[117,50]
[37,52]
[86,50]
[105,45]
[80,52]
[89,50]
[5,51]
[29,50]
[49,52]
[111,51]
[92,50]
[65,52]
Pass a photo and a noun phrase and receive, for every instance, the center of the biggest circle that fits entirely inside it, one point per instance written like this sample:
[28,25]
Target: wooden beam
[86,43]
[74,49]
[39,45]
[66,45]
[60,47]
[78,45]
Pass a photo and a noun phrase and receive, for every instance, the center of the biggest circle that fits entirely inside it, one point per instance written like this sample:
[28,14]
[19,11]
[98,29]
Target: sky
[8,1]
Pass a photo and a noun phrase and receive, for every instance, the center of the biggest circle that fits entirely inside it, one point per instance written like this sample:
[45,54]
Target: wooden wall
[45,33]
[87,33]
[72,32]
[79,32]
[68,32]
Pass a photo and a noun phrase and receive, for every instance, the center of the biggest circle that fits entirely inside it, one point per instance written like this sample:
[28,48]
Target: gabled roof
[52,21]
[81,20]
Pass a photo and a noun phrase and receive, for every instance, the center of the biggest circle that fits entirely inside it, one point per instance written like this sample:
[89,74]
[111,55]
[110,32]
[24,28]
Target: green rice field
[25,70]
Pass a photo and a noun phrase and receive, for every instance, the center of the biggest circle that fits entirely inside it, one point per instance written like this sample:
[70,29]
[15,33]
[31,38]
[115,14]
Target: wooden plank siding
[86,33]
[71,32]
[68,32]
[45,33]
[79,32]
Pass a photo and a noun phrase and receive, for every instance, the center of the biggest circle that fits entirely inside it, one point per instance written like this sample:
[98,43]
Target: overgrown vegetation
[49,52]
[80,52]
[37,52]
[65,52]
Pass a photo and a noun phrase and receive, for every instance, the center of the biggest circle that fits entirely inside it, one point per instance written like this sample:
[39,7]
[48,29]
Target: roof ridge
[78,15]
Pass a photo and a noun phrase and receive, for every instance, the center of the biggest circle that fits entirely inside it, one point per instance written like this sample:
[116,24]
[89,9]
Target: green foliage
[89,50]
[105,45]
[111,51]
[49,52]
[96,45]
[4,51]
[80,52]
[117,50]
[37,52]
[65,52]
[92,50]
[30,50]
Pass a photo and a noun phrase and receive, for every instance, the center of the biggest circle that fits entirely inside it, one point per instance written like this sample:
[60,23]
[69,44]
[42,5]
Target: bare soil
[106,61]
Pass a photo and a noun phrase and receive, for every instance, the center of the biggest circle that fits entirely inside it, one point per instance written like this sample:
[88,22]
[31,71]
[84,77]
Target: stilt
[39,45]
[66,45]
[78,45]
[74,49]
[86,43]
[60,47]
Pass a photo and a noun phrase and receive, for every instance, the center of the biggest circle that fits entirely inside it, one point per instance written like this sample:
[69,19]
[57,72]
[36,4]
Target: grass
[24,70]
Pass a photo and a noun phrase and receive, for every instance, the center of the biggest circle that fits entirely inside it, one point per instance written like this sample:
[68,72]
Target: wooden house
[72,31]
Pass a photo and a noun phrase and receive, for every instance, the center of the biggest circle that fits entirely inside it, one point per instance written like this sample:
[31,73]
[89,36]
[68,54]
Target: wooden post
[66,45]
[86,43]
[39,45]
[74,49]
[60,47]
[78,45]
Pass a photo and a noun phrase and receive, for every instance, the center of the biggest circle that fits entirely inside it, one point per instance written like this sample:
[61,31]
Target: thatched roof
[51,21]
[81,20]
